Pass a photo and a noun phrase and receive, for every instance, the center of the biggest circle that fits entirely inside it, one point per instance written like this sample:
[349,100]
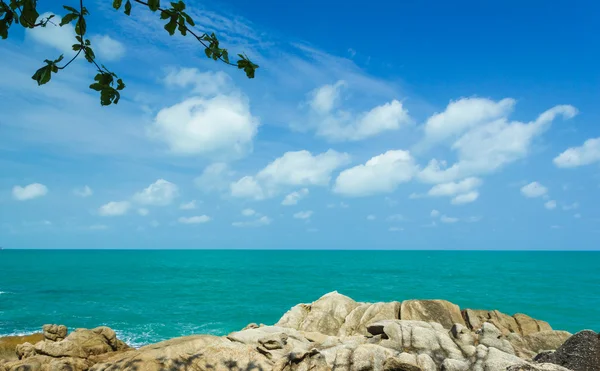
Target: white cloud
[396,218]
[452,188]
[154,224]
[215,177]
[159,193]
[489,146]
[204,83]
[262,221]
[434,213]
[298,168]
[586,154]
[294,197]
[447,219]
[381,174]
[303,214]
[572,206]
[248,212]
[221,127]
[194,219]
[114,208]
[395,229]
[29,192]
[533,190]
[60,38]
[464,114]
[83,192]
[340,125]
[371,217]
[247,187]
[143,212]
[465,198]
[550,205]
[107,48]
[188,205]
[473,219]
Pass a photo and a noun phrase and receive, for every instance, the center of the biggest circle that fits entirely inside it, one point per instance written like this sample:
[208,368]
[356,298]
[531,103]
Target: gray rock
[580,352]
[440,311]
[54,332]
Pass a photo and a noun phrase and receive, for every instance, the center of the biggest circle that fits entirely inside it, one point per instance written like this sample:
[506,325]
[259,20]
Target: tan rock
[505,323]
[357,321]
[440,311]
[54,332]
[528,325]
[546,340]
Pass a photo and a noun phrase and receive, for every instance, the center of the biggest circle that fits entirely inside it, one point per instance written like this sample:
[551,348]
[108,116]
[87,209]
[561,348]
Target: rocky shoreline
[332,333]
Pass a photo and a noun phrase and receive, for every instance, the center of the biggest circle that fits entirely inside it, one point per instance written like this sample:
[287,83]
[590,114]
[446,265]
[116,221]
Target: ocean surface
[148,296]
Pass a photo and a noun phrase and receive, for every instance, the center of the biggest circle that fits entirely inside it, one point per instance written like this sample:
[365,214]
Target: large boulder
[81,343]
[580,352]
[326,315]
[54,332]
[503,322]
[440,311]
[362,316]
[528,325]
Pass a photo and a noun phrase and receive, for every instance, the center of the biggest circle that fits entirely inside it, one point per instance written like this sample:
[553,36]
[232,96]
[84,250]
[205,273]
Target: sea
[152,295]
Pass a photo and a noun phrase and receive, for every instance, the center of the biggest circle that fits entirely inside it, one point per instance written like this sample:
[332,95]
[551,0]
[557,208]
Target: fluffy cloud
[83,192]
[371,217]
[188,205]
[60,38]
[298,168]
[215,177]
[396,218]
[434,213]
[294,197]
[381,174]
[550,205]
[29,192]
[114,208]
[586,154]
[204,83]
[533,190]
[465,198]
[248,212]
[303,214]
[464,114]
[490,144]
[339,125]
[262,221]
[159,193]
[199,219]
[143,211]
[448,220]
[222,126]
[108,48]
[452,188]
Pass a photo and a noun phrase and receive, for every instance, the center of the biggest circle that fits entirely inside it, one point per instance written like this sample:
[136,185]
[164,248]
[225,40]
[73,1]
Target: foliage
[107,83]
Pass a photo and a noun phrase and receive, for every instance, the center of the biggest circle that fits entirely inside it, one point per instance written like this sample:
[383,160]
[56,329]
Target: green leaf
[29,14]
[165,14]
[170,27]
[188,19]
[89,54]
[181,26]
[154,5]
[96,86]
[128,7]
[42,76]
[225,55]
[67,19]
[120,84]
[76,47]
[179,6]
[71,9]
[117,4]
[80,27]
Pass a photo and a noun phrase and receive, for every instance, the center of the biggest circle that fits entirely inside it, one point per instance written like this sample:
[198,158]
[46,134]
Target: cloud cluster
[29,192]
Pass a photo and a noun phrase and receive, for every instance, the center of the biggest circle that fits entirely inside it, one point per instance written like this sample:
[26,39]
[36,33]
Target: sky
[398,125]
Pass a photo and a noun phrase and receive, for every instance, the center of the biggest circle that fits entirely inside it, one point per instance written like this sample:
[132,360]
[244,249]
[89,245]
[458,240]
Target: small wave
[19,333]
[5,292]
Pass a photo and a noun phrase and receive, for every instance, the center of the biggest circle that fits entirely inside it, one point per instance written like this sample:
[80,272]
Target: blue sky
[401,125]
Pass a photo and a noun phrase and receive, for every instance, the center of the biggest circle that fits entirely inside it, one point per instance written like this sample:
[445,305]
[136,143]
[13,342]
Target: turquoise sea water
[149,296]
